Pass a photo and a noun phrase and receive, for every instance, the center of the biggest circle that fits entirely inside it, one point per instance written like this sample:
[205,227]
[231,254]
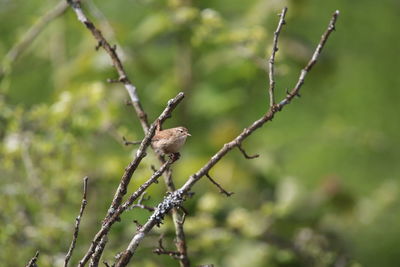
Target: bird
[170,141]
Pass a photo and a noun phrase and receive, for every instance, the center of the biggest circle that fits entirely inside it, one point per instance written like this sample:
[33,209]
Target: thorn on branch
[221,190]
[244,152]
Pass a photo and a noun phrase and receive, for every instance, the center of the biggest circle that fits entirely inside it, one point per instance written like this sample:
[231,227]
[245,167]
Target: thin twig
[247,156]
[127,143]
[221,189]
[160,250]
[271,61]
[311,63]
[176,198]
[77,222]
[140,202]
[32,262]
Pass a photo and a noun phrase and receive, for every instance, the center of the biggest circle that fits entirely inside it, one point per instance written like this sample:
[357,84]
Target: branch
[113,216]
[247,156]
[295,91]
[135,102]
[112,52]
[27,39]
[77,222]
[32,262]
[176,198]
[127,143]
[271,61]
[221,190]
[140,202]
[162,251]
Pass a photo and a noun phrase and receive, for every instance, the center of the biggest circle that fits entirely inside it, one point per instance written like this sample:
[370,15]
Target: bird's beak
[188,134]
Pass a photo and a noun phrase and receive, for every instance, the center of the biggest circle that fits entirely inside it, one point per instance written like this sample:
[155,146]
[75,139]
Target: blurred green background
[325,190]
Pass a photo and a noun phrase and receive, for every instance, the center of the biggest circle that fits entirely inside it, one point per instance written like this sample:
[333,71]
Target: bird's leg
[175,156]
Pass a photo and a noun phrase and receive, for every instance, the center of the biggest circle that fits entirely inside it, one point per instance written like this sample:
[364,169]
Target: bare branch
[221,189]
[271,61]
[112,217]
[176,198]
[32,262]
[140,203]
[245,154]
[77,222]
[135,102]
[311,63]
[162,251]
[97,253]
[111,51]
[127,143]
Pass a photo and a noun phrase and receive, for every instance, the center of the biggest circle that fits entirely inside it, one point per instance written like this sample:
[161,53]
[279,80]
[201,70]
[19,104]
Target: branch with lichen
[176,199]
[116,208]
[141,114]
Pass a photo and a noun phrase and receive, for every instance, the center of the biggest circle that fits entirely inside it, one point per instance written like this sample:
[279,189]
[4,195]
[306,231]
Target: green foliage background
[325,190]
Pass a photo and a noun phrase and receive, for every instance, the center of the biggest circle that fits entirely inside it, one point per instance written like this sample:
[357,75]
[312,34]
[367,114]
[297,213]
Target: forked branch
[176,198]
[116,209]
[141,114]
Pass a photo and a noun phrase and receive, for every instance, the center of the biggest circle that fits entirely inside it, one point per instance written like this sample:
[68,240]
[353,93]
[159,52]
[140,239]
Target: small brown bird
[170,141]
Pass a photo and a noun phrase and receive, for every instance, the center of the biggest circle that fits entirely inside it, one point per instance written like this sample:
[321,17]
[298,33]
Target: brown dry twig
[247,156]
[160,250]
[140,202]
[176,198]
[127,143]
[221,189]
[77,222]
